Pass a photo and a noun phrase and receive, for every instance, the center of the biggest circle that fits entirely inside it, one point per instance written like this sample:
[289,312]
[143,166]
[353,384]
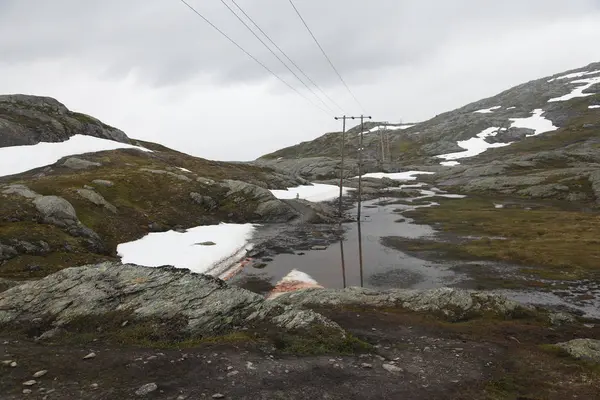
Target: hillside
[78,188]
[544,133]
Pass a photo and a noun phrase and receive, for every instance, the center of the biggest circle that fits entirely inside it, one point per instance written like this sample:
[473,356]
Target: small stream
[360,259]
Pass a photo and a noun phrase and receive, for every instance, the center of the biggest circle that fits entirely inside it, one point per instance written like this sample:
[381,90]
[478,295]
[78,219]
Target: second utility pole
[344,118]
[360,158]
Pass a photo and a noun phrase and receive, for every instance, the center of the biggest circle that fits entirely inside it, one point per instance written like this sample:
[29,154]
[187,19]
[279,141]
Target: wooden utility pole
[360,160]
[343,118]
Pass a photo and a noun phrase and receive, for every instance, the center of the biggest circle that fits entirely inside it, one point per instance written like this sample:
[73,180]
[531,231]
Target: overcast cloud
[156,70]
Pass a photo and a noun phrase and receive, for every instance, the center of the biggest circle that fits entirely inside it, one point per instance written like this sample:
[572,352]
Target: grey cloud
[167,44]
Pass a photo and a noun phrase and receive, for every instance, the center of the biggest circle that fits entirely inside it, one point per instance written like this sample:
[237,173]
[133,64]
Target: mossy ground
[547,241]
[142,199]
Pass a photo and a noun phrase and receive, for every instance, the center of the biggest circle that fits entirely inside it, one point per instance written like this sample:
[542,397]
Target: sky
[156,70]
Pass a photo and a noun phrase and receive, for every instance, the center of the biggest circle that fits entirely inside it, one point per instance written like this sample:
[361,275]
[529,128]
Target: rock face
[78,163]
[28,120]
[97,199]
[56,208]
[454,304]
[267,206]
[209,305]
[583,349]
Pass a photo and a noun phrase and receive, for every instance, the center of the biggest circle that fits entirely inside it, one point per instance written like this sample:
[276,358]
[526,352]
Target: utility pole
[360,160]
[343,118]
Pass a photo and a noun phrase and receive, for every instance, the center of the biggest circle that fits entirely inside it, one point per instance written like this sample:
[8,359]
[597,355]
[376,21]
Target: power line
[276,56]
[287,57]
[250,55]
[326,56]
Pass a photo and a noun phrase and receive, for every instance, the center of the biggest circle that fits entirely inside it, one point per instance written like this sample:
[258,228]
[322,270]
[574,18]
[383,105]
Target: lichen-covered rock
[205,201]
[181,177]
[97,199]
[79,163]
[208,304]
[454,304]
[20,190]
[583,349]
[268,207]
[56,209]
[103,182]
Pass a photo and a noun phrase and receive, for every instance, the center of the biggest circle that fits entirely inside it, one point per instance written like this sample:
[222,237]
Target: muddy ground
[412,356]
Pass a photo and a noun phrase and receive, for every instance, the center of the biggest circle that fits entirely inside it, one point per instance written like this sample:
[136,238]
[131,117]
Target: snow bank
[398,176]
[474,146]
[184,169]
[193,249]
[450,163]
[487,110]
[593,107]
[18,159]
[536,122]
[388,127]
[575,75]
[316,192]
[578,91]
[295,280]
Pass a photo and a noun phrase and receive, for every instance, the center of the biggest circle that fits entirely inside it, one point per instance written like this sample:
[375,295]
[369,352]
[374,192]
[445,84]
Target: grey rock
[205,181]
[79,164]
[209,305]
[6,284]
[7,252]
[20,190]
[392,368]
[168,173]
[206,201]
[206,244]
[55,208]
[454,304]
[27,391]
[41,373]
[268,207]
[146,389]
[218,396]
[543,191]
[97,199]
[583,349]
[29,382]
[366,365]
[560,318]
[103,182]
[90,356]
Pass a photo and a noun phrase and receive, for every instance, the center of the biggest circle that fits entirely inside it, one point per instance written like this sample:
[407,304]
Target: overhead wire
[308,78]
[274,54]
[327,57]
[250,55]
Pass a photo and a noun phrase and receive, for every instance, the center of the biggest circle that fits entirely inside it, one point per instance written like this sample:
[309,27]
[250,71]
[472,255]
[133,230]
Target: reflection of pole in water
[360,257]
[343,262]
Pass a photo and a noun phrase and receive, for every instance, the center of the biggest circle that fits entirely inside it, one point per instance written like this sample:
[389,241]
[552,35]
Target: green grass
[551,243]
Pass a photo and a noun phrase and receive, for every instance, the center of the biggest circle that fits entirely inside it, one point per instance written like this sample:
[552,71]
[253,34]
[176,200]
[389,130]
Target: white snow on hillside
[488,110]
[316,192]
[18,159]
[450,163]
[387,127]
[183,169]
[575,75]
[398,176]
[593,107]
[474,146]
[185,250]
[578,91]
[536,122]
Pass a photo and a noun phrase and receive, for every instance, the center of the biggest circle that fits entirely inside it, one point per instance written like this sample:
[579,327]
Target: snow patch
[397,176]
[575,75]
[450,163]
[295,280]
[536,122]
[488,110]
[184,169]
[316,192]
[298,276]
[511,108]
[18,159]
[185,250]
[578,91]
[387,127]
[593,107]
[474,146]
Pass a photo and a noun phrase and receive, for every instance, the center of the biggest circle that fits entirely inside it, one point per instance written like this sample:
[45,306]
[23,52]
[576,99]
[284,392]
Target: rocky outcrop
[583,349]
[266,205]
[208,304]
[97,199]
[453,304]
[180,177]
[28,120]
[79,163]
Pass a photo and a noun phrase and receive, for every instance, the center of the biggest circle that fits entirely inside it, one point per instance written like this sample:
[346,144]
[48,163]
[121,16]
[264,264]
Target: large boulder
[583,349]
[267,206]
[28,120]
[208,304]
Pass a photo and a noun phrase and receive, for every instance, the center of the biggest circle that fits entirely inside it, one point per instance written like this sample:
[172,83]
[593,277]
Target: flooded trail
[360,259]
